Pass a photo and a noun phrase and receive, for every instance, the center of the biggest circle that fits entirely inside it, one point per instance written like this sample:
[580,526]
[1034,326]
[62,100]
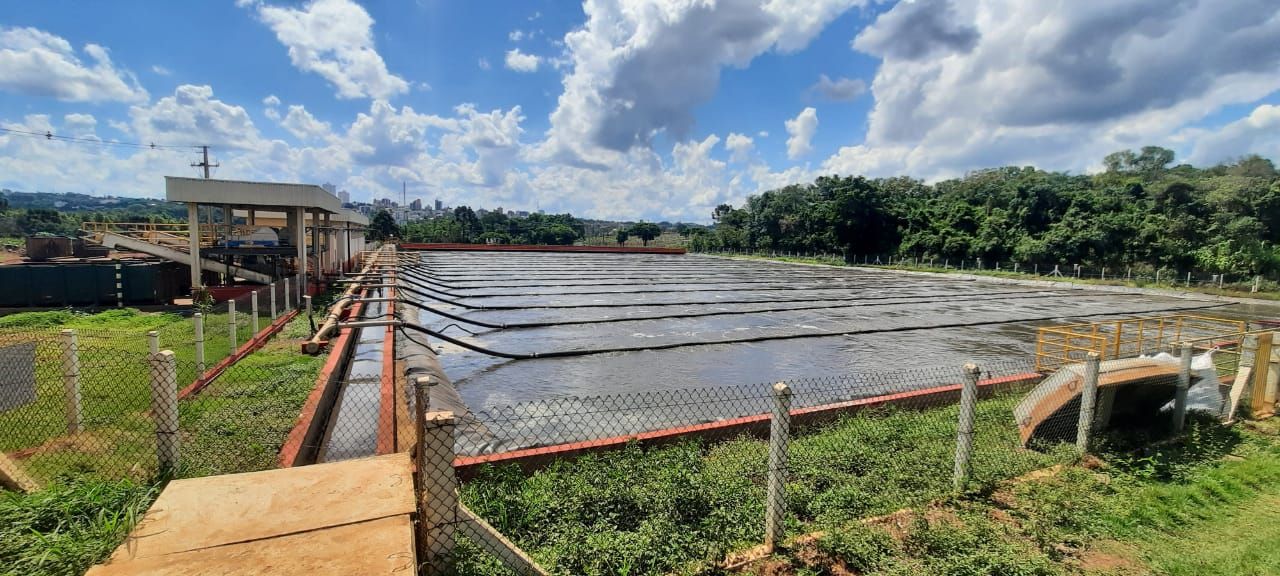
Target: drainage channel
[367,400]
[352,430]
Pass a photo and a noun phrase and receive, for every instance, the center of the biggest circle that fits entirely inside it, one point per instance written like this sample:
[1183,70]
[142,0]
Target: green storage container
[80,284]
[15,290]
[140,283]
[48,285]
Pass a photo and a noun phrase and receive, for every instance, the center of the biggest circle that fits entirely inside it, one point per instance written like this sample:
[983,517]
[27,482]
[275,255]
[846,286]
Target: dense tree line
[466,226]
[1140,212]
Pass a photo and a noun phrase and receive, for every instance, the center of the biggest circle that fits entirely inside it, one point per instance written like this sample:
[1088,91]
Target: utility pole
[204,163]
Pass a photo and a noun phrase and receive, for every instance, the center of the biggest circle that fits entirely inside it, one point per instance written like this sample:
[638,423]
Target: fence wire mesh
[85,401]
[652,482]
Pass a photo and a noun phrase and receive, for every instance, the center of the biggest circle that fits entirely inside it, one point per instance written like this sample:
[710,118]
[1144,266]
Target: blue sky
[656,109]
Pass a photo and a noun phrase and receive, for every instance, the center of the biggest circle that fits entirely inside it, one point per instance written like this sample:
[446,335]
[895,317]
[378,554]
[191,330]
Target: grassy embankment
[100,480]
[1269,290]
[871,495]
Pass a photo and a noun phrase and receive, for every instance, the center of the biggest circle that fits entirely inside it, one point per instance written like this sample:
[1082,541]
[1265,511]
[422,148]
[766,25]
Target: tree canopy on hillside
[1140,211]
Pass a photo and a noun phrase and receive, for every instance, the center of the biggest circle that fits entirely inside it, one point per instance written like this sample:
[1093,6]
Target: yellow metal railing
[1129,337]
[171,234]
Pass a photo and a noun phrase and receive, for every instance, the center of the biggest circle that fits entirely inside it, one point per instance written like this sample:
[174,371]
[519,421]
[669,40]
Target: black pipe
[671,345]
[522,325]
[649,290]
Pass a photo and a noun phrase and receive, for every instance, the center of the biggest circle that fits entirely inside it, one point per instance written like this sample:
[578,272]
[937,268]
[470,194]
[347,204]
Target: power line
[50,136]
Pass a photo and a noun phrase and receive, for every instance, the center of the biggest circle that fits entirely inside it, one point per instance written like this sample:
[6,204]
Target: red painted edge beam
[245,349]
[534,458]
[387,404]
[291,451]
[541,248]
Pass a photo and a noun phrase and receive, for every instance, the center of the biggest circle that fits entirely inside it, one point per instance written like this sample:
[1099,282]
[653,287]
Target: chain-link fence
[652,482]
[89,401]
[659,482]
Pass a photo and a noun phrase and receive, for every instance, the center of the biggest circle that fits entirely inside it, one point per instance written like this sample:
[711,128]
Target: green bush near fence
[680,509]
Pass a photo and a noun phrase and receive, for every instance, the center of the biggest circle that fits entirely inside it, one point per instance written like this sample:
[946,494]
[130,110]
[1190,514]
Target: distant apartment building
[416,205]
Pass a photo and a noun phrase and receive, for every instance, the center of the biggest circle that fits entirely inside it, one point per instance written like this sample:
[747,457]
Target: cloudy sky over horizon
[624,109]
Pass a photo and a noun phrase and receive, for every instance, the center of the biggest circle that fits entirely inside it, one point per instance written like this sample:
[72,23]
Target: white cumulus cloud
[840,89]
[739,146]
[800,131]
[38,63]
[966,84]
[522,62]
[334,38]
[641,67]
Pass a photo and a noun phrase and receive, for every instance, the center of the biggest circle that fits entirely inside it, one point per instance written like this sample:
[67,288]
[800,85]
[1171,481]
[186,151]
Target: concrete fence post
[964,429]
[286,295]
[1188,279]
[438,503]
[306,300]
[1184,383]
[153,342]
[253,307]
[164,407]
[71,381]
[231,324]
[1157,275]
[776,489]
[198,322]
[1257,284]
[1088,399]
[273,301]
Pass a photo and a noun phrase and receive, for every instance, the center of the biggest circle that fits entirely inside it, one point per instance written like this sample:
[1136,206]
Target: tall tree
[382,226]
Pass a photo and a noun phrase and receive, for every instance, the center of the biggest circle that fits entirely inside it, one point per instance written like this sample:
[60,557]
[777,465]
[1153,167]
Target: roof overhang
[257,195]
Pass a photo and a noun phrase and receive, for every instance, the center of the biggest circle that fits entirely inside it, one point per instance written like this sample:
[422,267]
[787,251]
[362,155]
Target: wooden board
[1258,405]
[219,510]
[382,546]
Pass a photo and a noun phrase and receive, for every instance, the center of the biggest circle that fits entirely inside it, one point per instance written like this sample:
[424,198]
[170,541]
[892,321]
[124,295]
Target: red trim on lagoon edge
[244,350]
[534,458]
[541,248]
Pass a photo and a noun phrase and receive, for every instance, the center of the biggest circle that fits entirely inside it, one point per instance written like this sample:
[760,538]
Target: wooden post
[964,429]
[1184,383]
[71,381]
[1088,397]
[164,407]
[775,491]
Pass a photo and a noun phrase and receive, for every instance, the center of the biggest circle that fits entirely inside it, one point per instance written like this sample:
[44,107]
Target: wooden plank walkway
[350,517]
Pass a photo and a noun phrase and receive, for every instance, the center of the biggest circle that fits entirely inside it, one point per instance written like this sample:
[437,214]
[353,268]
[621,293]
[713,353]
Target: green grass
[65,529]
[680,509]
[236,424]
[1205,504]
